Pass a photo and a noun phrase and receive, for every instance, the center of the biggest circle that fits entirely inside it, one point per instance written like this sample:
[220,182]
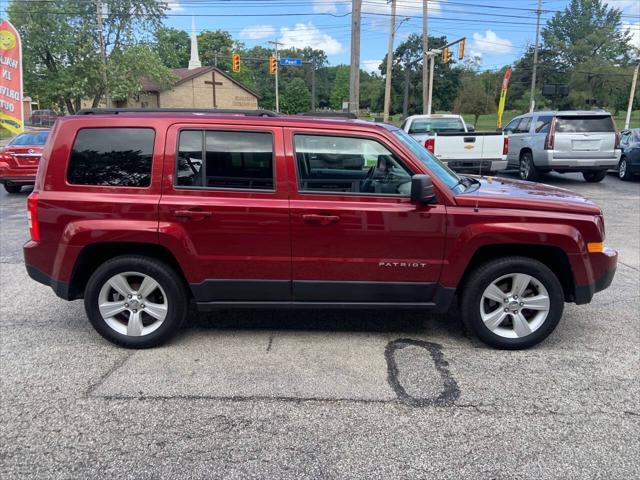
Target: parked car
[19,159]
[563,141]
[456,144]
[44,118]
[141,213]
[630,158]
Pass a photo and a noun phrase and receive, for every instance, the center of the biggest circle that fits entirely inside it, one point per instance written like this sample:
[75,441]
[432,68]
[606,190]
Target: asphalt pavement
[322,394]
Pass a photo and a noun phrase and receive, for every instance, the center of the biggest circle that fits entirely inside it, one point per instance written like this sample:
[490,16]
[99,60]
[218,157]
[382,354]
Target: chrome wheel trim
[622,170]
[515,305]
[525,168]
[133,304]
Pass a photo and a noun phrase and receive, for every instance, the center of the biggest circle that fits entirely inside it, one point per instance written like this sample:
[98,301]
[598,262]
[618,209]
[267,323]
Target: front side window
[225,159]
[525,123]
[512,125]
[349,165]
[119,157]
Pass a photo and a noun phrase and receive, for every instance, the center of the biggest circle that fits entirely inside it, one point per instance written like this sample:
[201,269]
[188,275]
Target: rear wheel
[528,170]
[135,301]
[623,169]
[512,303]
[594,176]
[12,188]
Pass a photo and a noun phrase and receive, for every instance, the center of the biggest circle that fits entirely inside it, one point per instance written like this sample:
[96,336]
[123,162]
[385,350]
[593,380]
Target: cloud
[325,6]
[308,35]
[634,31]
[631,5]
[489,44]
[371,66]
[257,32]
[403,7]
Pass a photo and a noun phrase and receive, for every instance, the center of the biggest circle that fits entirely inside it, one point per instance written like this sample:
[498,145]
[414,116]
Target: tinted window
[38,138]
[231,159]
[525,123]
[586,123]
[438,125]
[543,124]
[349,165]
[511,126]
[112,156]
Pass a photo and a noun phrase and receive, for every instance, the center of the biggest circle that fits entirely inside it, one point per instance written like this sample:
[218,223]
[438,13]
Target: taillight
[505,146]
[549,139]
[430,145]
[617,139]
[32,215]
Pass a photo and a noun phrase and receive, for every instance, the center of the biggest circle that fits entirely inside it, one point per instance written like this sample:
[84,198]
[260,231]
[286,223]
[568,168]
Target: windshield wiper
[463,182]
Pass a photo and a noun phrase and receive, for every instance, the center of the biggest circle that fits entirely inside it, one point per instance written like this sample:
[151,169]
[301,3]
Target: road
[322,394]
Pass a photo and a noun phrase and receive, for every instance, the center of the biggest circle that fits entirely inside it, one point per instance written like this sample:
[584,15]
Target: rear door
[514,145]
[224,211]
[584,136]
[356,235]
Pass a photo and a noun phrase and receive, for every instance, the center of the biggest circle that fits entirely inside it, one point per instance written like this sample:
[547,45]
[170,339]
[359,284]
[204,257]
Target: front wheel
[512,303]
[528,170]
[10,188]
[135,301]
[594,176]
[623,169]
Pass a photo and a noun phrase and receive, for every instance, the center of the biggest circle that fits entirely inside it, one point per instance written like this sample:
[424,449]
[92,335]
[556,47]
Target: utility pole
[425,56]
[432,59]
[275,43]
[387,85]
[103,53]
[354,73]
[631,96]
[532,101]
[313,86]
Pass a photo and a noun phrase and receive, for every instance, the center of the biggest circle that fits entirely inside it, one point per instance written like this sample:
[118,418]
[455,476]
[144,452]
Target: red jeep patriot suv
[140,213]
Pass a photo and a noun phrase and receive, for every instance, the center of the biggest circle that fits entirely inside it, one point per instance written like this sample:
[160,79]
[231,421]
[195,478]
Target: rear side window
[543,124]
[586,123]
[225,159]
[119,157]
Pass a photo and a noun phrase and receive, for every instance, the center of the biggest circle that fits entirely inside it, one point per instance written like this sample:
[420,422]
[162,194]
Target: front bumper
[603,266]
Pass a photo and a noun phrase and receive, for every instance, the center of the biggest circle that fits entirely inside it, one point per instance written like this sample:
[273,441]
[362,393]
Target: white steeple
[194,61]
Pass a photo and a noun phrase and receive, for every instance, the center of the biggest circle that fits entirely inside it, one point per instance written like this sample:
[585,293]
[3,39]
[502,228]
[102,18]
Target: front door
[356,235]
[224,211]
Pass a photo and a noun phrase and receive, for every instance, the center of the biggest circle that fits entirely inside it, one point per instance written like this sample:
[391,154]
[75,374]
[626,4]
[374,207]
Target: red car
[142,213]
[19,159]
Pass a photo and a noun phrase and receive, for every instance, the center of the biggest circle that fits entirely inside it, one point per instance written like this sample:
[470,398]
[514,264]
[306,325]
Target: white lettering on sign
[6,74]
[8,92]
[8,106]
[11,62]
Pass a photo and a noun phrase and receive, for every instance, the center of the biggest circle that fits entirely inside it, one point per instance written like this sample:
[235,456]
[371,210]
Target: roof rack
[117,111]
[349,115]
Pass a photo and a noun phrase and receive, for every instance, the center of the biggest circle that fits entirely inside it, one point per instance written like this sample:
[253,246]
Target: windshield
[438,125]
[436,167]
[38,138]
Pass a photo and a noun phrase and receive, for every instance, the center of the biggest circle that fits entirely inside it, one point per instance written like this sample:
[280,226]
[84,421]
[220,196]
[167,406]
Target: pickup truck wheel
[512,303]
[623,169]
[135,301]
[12,188]
[528,170]
[594,176]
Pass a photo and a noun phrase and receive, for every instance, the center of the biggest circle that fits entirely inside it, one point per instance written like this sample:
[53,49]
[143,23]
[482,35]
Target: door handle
[320,219]
[193,214]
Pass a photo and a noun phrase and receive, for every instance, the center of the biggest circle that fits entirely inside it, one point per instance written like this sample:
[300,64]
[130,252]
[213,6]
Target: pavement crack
[119,363]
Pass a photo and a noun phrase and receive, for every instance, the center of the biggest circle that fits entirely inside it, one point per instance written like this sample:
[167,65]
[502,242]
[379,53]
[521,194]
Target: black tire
[528,170]
[594,176]
[171,283]
[624,172]
[487,273]
[12,188]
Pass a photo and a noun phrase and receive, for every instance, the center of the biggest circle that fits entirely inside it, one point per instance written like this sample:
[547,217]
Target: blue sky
[497,31]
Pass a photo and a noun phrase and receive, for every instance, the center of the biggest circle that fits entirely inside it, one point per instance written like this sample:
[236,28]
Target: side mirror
[422,189]
[470,128]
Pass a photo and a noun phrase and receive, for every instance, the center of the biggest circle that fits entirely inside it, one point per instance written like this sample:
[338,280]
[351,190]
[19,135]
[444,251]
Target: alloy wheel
[133,304]
[515,305]
[622,171]
[525,168]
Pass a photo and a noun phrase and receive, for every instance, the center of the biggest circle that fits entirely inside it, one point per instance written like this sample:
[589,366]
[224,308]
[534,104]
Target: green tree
[474,97]
[295,97]
[173,47]
[340,88]
[216,48]
[62,60]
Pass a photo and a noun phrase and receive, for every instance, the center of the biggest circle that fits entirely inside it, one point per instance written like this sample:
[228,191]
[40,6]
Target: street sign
[293,62]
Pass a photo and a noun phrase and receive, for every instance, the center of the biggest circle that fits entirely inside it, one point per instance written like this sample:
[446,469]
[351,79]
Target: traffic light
[461,50]
[446,55]
[273,64]
[235,63]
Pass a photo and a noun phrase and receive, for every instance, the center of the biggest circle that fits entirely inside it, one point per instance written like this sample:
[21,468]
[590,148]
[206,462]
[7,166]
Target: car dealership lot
[271,394]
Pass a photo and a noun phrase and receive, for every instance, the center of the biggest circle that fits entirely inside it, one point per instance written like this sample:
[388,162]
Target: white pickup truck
[455,143]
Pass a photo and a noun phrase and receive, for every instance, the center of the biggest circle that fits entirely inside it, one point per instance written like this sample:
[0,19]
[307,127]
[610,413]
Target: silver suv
[564,141]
